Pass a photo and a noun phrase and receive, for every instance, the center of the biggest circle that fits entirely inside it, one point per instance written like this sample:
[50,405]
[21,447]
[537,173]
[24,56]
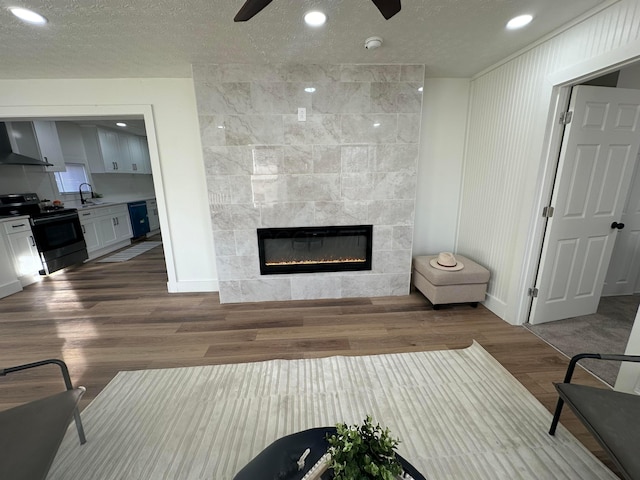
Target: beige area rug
[129,253]
[458,413]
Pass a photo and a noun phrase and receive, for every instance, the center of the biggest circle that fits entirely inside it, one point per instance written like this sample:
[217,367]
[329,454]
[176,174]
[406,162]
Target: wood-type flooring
[102,318]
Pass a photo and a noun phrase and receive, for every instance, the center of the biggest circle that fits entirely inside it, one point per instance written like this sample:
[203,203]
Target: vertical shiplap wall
[507,121]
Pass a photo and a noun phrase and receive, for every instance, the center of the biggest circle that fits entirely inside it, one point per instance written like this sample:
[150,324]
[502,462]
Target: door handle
[617,225]
[33,242]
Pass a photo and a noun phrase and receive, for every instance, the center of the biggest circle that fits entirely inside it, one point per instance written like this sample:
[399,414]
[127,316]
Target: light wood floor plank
[102,318]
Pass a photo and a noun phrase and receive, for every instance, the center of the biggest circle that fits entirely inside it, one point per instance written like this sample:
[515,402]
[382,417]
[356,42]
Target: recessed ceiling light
[377,124]
[310,89]
[315,18]
[519,22]
[220,126]
[121,124]
[420,89]
[28,16]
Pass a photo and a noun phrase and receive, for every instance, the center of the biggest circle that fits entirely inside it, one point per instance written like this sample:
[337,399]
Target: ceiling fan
[388,8]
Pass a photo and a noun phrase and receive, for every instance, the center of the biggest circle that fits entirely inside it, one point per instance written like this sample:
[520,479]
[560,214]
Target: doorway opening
[139,114]
[610,277]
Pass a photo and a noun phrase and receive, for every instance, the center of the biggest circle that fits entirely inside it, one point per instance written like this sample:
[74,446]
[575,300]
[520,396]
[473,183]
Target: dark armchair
[31,434]
[613,418]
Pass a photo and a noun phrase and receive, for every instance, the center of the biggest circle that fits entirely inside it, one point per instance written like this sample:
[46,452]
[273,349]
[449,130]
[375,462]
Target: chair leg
[556,416]
[79,427]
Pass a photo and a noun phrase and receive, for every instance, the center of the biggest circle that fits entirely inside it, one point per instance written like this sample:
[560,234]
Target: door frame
[79,112]
[560,84]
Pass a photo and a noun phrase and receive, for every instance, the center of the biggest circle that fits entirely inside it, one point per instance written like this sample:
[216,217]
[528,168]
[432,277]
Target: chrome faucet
[82,200]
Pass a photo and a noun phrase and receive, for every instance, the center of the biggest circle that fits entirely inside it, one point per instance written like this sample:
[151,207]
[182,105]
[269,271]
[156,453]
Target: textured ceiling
[162,38]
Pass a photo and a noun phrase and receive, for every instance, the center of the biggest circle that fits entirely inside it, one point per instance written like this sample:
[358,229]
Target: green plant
[363,452]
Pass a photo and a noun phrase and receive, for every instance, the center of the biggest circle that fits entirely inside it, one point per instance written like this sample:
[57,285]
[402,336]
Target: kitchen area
[71,191]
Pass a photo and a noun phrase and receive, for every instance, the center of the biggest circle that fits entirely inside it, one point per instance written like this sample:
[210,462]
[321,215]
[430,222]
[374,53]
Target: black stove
[28,204]
[56,230]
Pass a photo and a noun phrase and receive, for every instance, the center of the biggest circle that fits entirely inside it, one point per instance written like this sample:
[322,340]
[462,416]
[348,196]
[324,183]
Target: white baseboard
[10,288]
[496,306]
[193,286]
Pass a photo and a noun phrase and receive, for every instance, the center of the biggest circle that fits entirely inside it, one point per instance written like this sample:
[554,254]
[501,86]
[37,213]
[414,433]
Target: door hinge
[565,117]
[532,292]
[547,212]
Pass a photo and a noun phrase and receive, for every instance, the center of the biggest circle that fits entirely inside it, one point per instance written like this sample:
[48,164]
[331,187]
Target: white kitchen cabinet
[89,225]
[109,151]
[105,228]
[22,249]
[123,224]
[139,154]
[37,139]
[152,214]
[49,143]
[146,158]
[9,283]
[103,150]
[70,135]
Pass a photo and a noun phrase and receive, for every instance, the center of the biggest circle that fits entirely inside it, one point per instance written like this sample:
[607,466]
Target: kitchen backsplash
[114,187]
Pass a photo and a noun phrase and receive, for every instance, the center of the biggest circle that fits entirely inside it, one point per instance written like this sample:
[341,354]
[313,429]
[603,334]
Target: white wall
[444,116]
[169,109]
[506,162]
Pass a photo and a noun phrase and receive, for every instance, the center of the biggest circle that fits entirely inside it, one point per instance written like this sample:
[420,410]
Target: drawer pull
[18,226]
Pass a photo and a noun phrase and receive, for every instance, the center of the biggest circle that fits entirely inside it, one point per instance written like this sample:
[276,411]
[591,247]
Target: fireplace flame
[315,262]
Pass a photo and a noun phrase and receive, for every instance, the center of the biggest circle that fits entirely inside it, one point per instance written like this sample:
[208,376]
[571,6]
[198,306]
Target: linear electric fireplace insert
[314,249]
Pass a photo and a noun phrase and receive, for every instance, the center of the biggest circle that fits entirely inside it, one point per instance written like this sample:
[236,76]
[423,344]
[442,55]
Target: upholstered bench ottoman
[447,279]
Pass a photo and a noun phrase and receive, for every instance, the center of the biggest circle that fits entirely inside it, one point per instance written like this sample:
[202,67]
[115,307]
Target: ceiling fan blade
[249,9]
[388,8]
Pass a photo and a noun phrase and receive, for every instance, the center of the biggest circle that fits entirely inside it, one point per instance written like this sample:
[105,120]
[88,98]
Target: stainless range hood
[7,155]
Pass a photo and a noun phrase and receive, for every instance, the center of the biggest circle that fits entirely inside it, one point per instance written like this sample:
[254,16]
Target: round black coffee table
[278,460]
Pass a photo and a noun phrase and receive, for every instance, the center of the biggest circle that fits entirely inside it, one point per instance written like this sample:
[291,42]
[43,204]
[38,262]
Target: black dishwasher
[139,218]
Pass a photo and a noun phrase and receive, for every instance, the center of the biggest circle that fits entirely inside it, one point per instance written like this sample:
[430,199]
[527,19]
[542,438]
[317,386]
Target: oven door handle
[54,219]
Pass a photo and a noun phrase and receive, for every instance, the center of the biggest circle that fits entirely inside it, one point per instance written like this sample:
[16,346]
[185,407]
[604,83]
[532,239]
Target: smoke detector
[372,43]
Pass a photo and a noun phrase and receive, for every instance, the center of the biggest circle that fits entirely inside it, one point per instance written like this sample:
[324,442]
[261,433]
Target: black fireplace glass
[314,249]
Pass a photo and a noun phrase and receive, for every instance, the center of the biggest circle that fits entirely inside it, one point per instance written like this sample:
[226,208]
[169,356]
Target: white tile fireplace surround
[352,161]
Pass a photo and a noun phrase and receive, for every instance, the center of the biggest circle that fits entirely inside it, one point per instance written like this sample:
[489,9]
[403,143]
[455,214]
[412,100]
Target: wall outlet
[302,114]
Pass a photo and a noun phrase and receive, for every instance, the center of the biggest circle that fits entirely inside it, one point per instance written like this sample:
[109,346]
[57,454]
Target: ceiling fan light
[315,18]
[519,22]
[28,16]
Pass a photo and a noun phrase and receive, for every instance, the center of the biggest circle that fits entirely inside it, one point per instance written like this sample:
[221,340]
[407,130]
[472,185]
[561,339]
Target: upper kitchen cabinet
[114,152]
[71,142]
[37,139]
[139,154]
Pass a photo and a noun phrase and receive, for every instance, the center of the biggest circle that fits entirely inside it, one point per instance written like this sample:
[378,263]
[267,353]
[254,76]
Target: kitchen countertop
[107,203]
[14,217]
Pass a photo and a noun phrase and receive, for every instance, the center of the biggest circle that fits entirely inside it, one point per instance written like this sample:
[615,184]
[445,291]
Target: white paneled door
[595,167]
[625,261]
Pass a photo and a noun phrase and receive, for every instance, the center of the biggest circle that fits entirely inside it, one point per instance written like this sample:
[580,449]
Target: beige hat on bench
[446,261]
